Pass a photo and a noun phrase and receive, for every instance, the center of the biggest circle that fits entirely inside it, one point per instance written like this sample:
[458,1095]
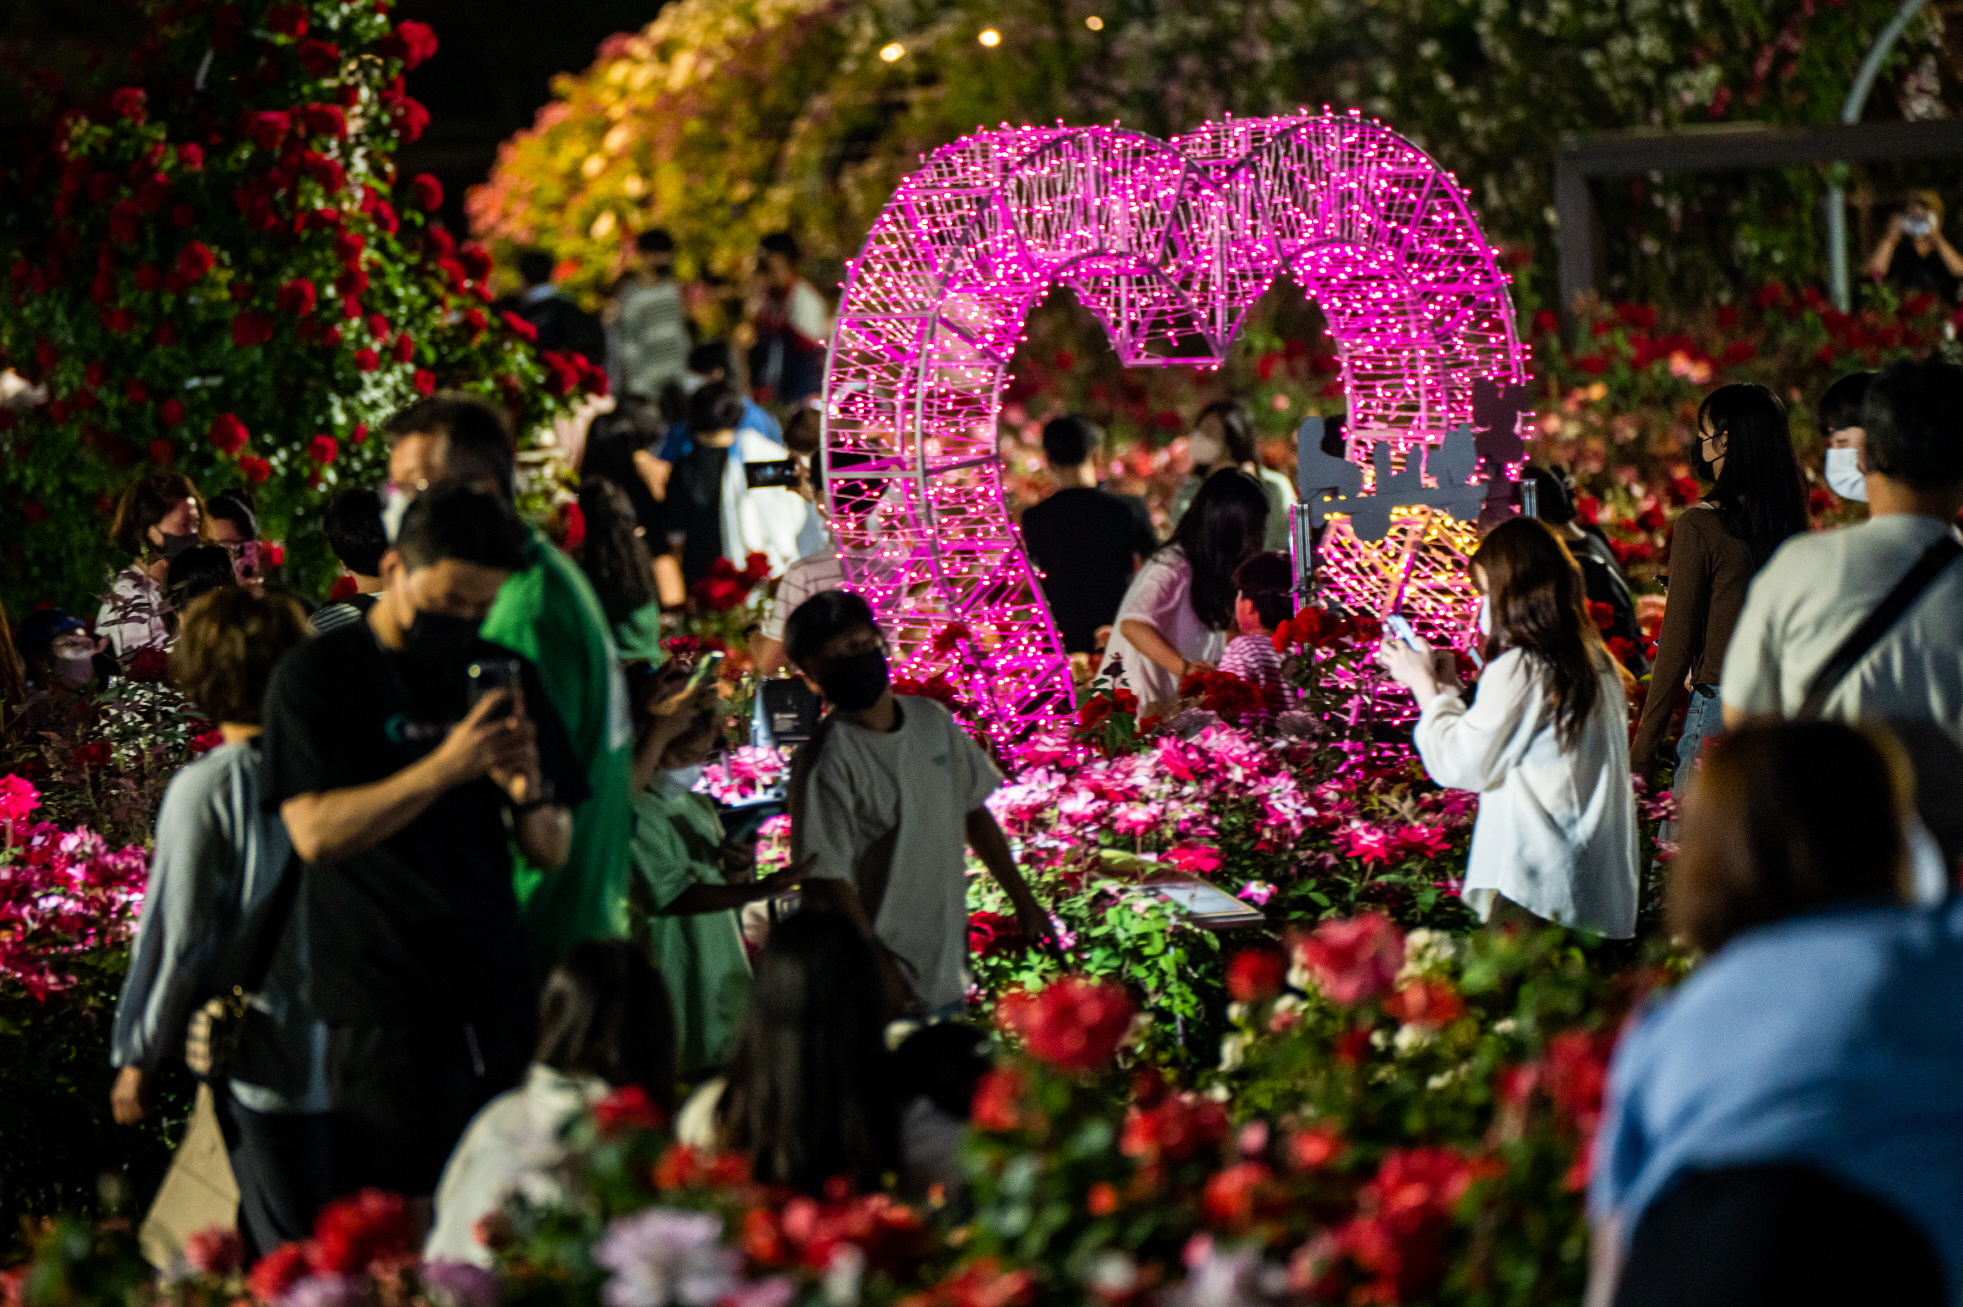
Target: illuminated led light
[1095,23]
[990,37]
[892,52]
[1169,244]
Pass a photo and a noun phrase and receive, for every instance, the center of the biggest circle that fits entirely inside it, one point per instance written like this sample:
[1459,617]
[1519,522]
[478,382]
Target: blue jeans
[1703,720]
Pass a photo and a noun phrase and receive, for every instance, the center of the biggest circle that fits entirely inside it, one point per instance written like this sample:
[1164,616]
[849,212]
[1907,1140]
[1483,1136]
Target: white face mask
[1485,615]
[682,779]
[1844,476]
[1206,450]
[394,505]
[73,670]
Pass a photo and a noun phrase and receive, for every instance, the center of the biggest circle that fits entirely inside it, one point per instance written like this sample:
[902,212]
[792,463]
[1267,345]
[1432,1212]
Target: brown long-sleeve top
[1710,571]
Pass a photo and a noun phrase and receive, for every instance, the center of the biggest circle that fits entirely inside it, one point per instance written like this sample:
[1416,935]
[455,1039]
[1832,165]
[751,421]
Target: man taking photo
[400,794]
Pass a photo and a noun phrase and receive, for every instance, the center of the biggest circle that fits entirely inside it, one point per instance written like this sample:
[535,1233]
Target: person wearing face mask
[1544,743]
[1223,437]
[235,526]
[689,884]
[158,517]
[1757,501]
[1839,415]
[404,778]
[885,799]
[547,613]
[64,664]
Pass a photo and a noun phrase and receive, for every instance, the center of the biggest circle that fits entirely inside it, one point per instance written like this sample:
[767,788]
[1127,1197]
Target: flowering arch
[1169,243]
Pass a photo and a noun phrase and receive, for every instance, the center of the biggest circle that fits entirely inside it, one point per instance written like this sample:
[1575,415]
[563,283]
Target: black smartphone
[490,675]
[781,474]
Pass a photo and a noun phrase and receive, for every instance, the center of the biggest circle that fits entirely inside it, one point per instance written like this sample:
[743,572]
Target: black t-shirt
[423,925]
[1910,271]
[1084,542]
[695,507]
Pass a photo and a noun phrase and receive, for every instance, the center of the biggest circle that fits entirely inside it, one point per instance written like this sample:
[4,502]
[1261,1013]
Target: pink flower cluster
[745,775]
[62,892]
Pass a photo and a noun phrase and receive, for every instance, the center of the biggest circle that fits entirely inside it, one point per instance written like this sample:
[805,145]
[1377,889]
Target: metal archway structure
[1169,243]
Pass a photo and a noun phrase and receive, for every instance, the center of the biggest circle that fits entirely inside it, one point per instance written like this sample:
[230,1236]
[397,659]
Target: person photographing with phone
[403,798]
[1544,742]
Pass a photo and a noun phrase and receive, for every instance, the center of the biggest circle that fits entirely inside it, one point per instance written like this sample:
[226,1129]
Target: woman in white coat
[1544,742]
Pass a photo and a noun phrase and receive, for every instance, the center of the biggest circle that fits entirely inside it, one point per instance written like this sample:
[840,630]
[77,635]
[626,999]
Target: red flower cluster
[1427,1003]
[367,1232]
[627,1108]
[951,635]
[998,1101]
[570,373]
[808,1233]
[1318,628]
[1353,960]
[1232,697]
[725,588]
[1255,974]
[983,1282]
[1398,1238]
[936,687]
[1103,705]
[1174,1128]
[1073,1024]
[992,932]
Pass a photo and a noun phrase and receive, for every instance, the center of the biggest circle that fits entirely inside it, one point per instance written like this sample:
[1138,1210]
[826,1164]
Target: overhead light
[1095,23]
[990,37]
[892,52]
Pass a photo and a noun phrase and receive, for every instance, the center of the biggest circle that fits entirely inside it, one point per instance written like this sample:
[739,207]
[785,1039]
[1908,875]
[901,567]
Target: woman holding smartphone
[1543,743]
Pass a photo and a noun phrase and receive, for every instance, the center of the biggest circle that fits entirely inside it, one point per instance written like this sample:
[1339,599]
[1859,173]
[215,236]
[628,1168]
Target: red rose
[331,338]
[150,664]
[385,217]
[367,360]
[136,392]
[998,1101]
[410,115]
[127,102]
[162,452]
[476,260]
[411,42]
[1545,322]
[1230,1196]
[352,1235]
[1310,1149]
[296,297]
[351,308]
[1353,960]
[194,261]
[171,411]
[256,469]
[1429,1003]
[118,321]
[228,435]
[190,157]
[318,58]
[476,321]
[125,222]
[348,247]
[425,381]
[1073,1024]
[267,129]
[250,329]
[323,449]
[352,282]
[276,553]
[627,1108]
[287,20]
[1740,351]
[278,1271]
[428,192]
[405,348]
[147,277]
[324,120]
[1255,974]
[324,170]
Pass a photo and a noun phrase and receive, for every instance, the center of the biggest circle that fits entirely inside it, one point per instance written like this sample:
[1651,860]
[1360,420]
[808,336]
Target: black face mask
[438,636]
[174,544]
[856,682]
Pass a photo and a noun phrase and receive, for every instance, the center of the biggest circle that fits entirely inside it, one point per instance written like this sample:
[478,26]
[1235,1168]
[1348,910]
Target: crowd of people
[448,878]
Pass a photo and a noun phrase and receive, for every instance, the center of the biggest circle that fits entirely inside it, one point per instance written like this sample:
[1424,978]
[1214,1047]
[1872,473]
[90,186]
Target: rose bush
[212,269]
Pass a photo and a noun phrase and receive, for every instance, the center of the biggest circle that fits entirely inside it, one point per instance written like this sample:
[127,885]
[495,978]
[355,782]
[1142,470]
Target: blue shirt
[1833,1039]
[675,446]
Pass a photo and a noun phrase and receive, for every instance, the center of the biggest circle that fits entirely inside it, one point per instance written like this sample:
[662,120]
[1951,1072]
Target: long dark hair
[1760,495]
[1236,427]
[1540,606]
[605,1013]
[613,555]
[1225,526]
[810,1089]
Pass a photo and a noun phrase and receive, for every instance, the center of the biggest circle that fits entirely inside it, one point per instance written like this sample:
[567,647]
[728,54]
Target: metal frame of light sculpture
[1169,243]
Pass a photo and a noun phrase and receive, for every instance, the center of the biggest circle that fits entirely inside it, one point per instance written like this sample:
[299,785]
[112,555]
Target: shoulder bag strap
[1898,601]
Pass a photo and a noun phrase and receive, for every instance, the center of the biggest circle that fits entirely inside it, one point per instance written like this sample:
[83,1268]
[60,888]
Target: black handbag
[211,1039]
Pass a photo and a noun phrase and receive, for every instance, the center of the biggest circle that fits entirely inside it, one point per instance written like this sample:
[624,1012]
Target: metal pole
[1857,98]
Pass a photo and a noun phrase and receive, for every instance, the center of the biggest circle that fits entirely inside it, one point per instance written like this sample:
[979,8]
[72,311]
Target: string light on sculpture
[1169,244]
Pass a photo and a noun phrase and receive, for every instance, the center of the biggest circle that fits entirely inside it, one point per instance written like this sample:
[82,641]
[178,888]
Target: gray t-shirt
[219,853]
[923,778]
[1809,598]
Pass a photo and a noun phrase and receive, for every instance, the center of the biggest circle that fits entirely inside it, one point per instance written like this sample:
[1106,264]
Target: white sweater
[1556,831]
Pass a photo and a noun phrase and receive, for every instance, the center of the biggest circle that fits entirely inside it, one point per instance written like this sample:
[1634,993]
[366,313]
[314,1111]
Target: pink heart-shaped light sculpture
[1169,243]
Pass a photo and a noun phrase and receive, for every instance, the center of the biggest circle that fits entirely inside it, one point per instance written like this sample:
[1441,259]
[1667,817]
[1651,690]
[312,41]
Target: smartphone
[780,474]
[705,670]
[490,675]
[1400,626]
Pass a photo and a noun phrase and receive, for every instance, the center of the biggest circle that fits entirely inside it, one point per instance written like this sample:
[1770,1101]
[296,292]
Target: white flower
[1410,1038]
